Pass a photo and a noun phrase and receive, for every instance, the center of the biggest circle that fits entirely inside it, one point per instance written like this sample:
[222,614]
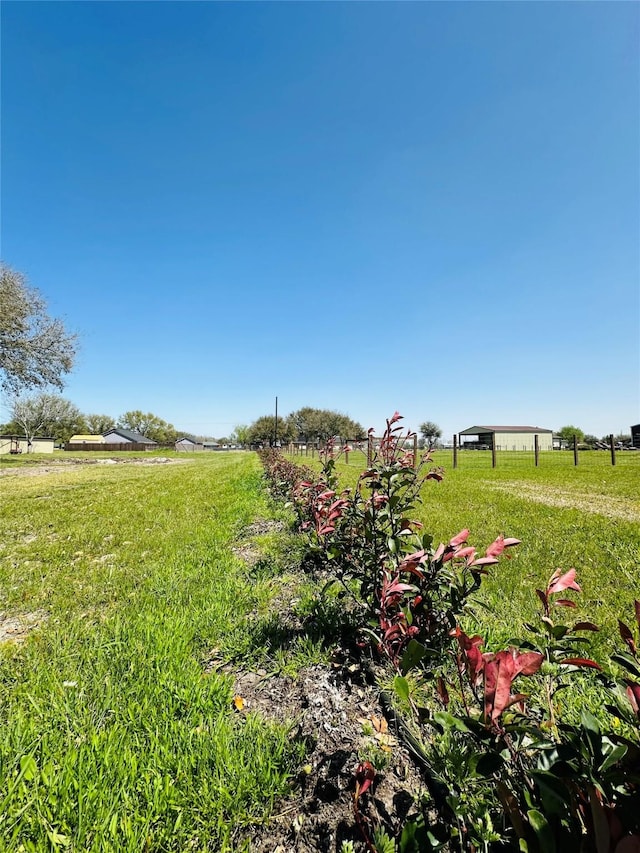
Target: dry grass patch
[607,505]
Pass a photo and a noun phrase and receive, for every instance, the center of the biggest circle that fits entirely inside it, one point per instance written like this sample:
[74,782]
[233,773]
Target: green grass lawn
[112,738]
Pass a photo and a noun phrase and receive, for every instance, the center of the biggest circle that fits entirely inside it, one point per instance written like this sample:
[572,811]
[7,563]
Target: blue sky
[428,207]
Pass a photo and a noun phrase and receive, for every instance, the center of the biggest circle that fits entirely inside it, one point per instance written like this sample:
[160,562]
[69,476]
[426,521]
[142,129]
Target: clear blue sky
[429,207]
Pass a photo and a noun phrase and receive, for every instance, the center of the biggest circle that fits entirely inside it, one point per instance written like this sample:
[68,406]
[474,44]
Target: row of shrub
[507,765]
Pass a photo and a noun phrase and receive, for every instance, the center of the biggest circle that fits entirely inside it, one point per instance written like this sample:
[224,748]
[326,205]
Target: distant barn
[188,444]
[505,438]
[117,435]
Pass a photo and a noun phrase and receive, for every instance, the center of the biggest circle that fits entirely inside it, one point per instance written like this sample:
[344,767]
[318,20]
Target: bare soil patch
[338,716]
[39,469]
[336,712]
[16,627]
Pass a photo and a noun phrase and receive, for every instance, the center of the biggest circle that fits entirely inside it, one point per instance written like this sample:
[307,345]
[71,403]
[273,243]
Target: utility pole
[275,427]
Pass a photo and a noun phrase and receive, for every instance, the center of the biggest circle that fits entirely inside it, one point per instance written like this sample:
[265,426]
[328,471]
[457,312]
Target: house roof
[81,439]
[186,438]
[130,435]
[477,430]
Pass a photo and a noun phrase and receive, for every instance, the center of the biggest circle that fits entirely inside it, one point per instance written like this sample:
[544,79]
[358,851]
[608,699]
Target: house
[188,444]
[117,435]
[19,444]
[506,438]
[86,439]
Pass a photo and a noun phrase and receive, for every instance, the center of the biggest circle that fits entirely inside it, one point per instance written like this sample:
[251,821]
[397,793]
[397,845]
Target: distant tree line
[307,425]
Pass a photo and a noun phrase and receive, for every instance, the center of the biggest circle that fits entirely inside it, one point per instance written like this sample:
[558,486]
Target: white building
[505,438]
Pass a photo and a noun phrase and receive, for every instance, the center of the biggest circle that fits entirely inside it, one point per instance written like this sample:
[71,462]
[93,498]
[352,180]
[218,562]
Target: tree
[46,414]
[99,424]
[240,434]
[311,424]
[35,349]
[567,433]
[149,425]
[263,431]
[431,432]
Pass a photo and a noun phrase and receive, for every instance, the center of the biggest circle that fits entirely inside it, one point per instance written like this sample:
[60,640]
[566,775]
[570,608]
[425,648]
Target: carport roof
[477,430]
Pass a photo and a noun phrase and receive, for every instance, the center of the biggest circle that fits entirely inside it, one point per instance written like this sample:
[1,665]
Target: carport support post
[613,449]
[493,450]
[455,451]
[536,449]
[575,449]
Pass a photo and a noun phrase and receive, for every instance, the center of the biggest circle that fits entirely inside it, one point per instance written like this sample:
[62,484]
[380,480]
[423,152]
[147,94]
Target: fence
[460,455]
[457,456]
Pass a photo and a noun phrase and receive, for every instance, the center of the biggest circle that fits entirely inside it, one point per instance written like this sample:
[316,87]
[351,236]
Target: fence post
[575,449]
[536,449]
[613,449]
[493,451]
[455,451]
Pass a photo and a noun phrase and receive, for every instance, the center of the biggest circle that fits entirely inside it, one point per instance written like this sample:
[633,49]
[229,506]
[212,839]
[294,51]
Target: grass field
[113,738]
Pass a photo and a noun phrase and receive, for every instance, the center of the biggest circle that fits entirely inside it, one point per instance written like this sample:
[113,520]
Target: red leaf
[496,548]
[469,551]
[543,597]
[500,670]
[443,693]
[627,636]
[412,561]
[459,538]
[637,607]
[585,626]
[559,582]
[365,774]
[484,561]
[529,662]
[633,692]
[581,662]
[565,602]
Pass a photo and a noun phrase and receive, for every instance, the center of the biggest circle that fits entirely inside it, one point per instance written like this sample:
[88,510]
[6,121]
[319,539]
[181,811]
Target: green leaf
[589,721]
[383,842]
[414,653]
[486,764]
[448,721]
[616,754]
[554,793]
[627,662]
[401,686]
[540,826]
[28,767]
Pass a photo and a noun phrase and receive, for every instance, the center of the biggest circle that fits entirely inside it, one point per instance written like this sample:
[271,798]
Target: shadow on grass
[322,622]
